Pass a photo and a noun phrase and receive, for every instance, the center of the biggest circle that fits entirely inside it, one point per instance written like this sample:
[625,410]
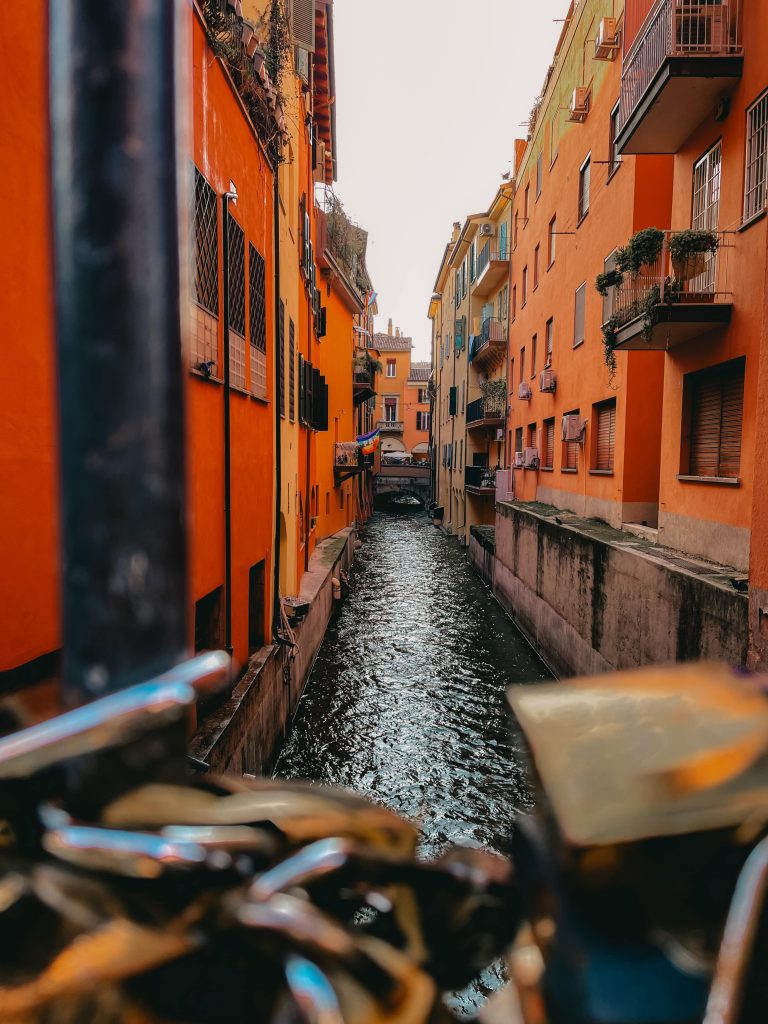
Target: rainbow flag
[369,442]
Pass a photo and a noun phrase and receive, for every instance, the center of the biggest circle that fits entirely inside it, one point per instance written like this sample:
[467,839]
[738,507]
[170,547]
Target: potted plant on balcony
[689,250]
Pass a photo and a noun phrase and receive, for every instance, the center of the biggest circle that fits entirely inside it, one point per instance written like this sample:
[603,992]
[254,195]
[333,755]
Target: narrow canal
[406,700]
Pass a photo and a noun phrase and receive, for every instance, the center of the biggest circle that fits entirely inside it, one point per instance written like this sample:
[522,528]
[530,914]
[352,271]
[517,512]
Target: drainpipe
[276,619]
[227,431]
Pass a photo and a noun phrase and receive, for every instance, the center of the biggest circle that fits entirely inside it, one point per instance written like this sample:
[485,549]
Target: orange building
[394,350]
[417,412]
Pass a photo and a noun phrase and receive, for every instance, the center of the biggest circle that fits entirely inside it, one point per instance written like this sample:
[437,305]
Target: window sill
[547,469]
[578,344]
[563,470]
[261,400]
[601,472]
[723,481]
[550,265]
[208,378]
[752,220]
[240,391]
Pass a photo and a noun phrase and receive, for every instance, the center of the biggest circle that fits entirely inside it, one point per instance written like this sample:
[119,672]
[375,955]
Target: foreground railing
[482,477]
[678,28]
[486,409]
[488,255]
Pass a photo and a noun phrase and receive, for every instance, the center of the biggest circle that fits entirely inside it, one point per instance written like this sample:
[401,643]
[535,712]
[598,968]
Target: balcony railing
[391,426]
[489,255]
[480,478]
[489,345]
[690,297]
[486,409]
[678,29]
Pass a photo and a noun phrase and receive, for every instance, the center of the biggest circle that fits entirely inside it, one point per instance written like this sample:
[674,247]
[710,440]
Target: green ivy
[684,244]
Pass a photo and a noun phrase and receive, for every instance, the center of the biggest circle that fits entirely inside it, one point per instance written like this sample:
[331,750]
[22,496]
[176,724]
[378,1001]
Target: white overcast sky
[430,96]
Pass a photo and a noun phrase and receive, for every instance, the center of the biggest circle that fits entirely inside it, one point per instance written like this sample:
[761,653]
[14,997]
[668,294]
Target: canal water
[405,703]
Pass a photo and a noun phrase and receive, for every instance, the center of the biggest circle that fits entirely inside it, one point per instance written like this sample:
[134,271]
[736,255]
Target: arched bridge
[394,481]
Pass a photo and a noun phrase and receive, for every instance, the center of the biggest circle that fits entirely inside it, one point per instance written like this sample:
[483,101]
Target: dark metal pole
[116,251]
[227,429]
[279,383]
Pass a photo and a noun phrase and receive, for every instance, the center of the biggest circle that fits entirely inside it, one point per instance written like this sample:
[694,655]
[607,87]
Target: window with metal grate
[236,276]
[206,246]
[605,414]
[281,329]
[257,298]
[756,169]
[716,398]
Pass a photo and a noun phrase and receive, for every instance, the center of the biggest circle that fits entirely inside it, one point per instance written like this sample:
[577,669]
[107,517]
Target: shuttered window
[756,177]
[303,23]
[716,405]
[571,448]
[605,414]
[548,460]
[291,370]
[578,315]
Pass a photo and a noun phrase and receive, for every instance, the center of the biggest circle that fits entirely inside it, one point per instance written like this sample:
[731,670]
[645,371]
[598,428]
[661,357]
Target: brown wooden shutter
[549,444]
[716,418]
[606,435]
[303,23]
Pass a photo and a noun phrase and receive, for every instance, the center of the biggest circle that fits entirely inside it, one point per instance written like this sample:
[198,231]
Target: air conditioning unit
[607,41]
[519,460]
[531,458]
[487,230]
[524,392]
[573,427]
[548,380]
[579,105]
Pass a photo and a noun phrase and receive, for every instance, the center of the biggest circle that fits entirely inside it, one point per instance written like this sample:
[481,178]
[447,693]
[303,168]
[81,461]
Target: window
[514,237]
[421,396]
[605,435]
[503,240]
[514,301]
[313,396]
[390,409]
[534,342]
[462,394]
[706,190]
[584,176]
[539,174]
[518,439]
[459,328]
[256,607]
[422,421]
[257,299]
[532,439]
[291,370]
[614,159]
[281,329]
[236,247]
[756,168]
[536,267]
[549,340]
[208,621]
[391,367]
[453,397]
[525,285]
[609,299]
[578,314]
[570,450]
[461,453]
[501,303]
[472,260]
[548,452]
[525,204]
[206,240]
[458,288]
[551,241]
[522,364]
[713,402]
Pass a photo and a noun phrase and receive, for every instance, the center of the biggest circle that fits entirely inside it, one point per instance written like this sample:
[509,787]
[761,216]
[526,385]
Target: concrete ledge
[593,598]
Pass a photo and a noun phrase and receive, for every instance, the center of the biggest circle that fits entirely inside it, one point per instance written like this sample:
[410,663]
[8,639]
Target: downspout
[227,429]
[279,383]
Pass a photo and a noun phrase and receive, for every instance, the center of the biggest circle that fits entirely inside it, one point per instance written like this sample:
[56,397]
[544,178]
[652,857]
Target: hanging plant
[688,251]
[642,250]
[494,390]
[611,279]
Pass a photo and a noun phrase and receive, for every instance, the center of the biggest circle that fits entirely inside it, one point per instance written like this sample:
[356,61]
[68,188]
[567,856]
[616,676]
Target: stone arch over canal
[402,481]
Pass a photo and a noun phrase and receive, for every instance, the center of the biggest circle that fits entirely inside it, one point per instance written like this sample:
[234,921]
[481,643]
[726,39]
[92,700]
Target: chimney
[397,333]
[389,327]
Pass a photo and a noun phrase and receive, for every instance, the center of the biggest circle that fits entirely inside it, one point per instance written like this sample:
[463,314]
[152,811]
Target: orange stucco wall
[29,526]
[412,406]
[226,149]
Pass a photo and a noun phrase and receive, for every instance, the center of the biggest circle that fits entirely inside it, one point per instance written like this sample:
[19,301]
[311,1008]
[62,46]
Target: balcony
[665,306]
[390,426]
[363,381]
[486,412]
[347,460]
[480,480]
[685,58]
[489,348]
[492,269]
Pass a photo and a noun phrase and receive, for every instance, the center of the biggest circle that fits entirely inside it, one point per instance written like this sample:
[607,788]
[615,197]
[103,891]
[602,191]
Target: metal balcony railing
[391,426]
[678,28]
[486,409]
[704,278]
[480,477]
[487,255]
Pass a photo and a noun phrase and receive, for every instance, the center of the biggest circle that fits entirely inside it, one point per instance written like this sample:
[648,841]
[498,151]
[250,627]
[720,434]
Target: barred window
[756,177]
[292,370]
[236,276]
[258,307]
[206,242]
[281,330]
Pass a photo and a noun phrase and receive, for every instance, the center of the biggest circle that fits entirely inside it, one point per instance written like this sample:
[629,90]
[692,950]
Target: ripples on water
[406,704]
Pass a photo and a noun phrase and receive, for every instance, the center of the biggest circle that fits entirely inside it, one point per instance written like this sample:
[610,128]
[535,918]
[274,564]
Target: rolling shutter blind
[606,435]
[571,453]
[716,417]
[303,24]
[549,444]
